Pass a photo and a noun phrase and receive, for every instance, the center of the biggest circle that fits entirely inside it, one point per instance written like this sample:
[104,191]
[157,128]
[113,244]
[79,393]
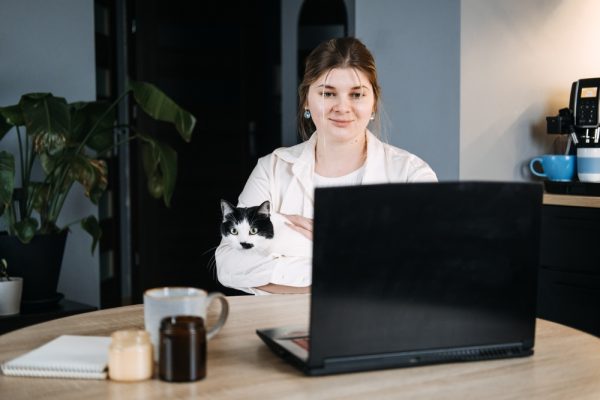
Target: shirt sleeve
[244,270]
[421,171]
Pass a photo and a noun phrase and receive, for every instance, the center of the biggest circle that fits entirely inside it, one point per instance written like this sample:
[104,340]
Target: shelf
[64,308]
[571,200]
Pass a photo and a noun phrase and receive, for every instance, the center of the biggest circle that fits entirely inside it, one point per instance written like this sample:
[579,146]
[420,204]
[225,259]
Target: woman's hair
[345,52]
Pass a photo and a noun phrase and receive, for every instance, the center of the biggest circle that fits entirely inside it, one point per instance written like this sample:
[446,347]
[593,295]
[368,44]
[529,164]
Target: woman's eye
[327,94]
[356,95]
[253,231]
[233,231]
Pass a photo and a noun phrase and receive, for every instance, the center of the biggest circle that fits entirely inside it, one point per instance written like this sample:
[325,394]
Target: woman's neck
[333,159]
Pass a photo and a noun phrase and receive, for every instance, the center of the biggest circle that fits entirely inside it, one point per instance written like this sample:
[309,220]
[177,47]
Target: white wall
[416,45]
[48,46]
[518,60]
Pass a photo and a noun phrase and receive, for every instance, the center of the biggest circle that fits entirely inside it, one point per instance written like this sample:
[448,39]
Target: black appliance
[581,121]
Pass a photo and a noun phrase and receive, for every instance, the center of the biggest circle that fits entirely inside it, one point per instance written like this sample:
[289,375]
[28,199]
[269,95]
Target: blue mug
[588,164]
[554,167]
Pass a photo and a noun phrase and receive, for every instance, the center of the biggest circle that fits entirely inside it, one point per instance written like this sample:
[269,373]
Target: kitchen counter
[571,200]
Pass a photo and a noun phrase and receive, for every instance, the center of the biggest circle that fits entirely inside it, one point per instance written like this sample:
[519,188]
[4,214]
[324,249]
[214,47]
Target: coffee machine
[581,121]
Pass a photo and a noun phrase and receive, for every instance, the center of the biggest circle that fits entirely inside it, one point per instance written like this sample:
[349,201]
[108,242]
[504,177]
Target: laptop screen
[425,266]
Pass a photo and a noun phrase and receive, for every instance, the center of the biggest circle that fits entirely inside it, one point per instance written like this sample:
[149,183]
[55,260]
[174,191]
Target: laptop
[415,274]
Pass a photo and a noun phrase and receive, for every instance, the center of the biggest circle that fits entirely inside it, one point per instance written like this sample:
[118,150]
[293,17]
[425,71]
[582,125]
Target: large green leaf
[159,106]
[7,177]
[25,229]
[9,117]
[13,115]
[47,119]
[91,226]
[49,162]
[92,174]
[38,192]
[160,164]
[4,127]
[84,115]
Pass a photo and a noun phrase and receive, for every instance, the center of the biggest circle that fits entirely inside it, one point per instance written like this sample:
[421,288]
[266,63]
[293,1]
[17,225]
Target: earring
[372,117]
[307,113]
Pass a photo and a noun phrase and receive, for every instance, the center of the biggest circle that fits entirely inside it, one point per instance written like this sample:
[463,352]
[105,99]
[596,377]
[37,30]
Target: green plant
[4,270]
[69,141]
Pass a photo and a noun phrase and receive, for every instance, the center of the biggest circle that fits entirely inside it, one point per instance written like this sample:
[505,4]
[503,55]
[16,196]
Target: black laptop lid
[408,267]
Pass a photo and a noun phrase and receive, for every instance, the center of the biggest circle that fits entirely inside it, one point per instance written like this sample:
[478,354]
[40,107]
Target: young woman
[338,98]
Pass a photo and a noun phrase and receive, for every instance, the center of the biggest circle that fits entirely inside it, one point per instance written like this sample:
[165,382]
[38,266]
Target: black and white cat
[258,229]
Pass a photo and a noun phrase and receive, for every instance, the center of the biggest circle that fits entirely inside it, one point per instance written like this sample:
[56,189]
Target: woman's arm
[282,289]
[301,225]
[246,270]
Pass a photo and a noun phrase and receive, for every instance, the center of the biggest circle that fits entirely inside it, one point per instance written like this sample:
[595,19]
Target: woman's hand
[301,224]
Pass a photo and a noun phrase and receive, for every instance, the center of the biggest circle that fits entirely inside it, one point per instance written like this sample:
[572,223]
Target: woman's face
[341,103]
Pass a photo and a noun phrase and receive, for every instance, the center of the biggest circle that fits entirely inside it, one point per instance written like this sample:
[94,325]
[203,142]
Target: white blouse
[287,179]
[353,178]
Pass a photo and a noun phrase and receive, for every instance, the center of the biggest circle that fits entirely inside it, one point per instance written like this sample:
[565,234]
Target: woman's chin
[343,133]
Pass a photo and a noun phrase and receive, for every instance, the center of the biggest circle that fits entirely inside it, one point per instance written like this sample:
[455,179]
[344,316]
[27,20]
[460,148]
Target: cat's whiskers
[212,262]
[211,249]
[212,266]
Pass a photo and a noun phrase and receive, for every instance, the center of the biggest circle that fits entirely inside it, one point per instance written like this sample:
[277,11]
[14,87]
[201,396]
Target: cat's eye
[233,231]
[253,231]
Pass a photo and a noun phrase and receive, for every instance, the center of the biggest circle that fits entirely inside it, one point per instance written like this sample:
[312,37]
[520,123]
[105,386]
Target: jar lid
[126,338]
[182,322]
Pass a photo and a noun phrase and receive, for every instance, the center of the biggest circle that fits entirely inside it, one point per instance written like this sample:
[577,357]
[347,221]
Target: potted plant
[65,144]
[10,291]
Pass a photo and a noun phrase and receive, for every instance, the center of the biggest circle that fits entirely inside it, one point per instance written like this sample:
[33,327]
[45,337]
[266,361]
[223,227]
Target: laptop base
[281,343]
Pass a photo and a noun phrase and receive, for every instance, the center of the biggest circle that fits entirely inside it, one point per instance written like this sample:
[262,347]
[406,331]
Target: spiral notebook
[67,356]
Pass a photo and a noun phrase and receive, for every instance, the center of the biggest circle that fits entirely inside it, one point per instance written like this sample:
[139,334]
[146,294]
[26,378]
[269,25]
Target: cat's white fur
[286,241]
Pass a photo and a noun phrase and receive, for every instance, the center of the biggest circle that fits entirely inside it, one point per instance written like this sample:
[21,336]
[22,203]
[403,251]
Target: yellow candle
[130,356]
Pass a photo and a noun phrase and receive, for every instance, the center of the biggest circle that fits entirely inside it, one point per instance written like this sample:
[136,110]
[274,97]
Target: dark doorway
[222,62]
[319,20]
[219,61]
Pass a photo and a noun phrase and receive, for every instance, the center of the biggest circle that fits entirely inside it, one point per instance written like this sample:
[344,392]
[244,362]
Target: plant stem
[57,198]
[89,134]
[24,176]
[10,211]
[57,206]
[128,139]
[26,149]
[21,155]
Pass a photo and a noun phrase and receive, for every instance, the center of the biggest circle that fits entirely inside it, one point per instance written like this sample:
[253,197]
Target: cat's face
[247,228]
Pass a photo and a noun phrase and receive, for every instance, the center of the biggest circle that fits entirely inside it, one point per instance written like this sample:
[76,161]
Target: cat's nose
[247,245]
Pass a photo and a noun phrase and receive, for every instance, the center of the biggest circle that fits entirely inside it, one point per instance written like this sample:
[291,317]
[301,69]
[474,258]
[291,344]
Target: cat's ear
[226,208]
[264,209]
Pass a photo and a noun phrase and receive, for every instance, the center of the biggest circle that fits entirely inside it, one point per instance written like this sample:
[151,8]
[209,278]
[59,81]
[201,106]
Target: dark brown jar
[182,349]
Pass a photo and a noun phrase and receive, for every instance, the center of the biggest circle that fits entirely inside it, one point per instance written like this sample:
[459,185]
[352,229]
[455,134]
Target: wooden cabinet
[569,275]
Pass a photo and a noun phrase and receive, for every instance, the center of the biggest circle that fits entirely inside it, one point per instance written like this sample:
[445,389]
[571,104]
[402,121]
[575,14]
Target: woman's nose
[342,104]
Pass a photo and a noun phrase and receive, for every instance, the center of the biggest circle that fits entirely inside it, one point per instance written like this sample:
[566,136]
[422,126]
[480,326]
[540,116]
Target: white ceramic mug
[588,164]
[171,301]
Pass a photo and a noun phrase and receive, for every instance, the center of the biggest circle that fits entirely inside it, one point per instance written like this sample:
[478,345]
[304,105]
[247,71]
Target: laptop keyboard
[303,342]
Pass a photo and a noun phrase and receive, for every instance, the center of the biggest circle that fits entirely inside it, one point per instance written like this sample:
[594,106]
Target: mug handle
[532,168]
[224,313]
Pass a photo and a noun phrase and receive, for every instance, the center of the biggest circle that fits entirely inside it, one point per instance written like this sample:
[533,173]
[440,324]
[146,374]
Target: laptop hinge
[407,358]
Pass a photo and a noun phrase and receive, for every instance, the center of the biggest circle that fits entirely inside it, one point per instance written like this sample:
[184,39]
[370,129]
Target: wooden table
[566,364]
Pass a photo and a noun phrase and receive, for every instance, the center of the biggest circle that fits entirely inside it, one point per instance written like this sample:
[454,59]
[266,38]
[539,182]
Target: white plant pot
[10,296]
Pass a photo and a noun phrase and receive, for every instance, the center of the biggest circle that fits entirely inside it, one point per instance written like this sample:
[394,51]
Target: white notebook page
[67,356]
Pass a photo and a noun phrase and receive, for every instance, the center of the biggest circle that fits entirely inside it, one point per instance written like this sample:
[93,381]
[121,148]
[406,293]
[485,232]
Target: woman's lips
[341,123]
